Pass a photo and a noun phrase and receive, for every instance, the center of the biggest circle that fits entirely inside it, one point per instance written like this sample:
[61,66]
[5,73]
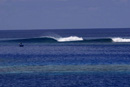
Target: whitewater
[76,38]
[73,39]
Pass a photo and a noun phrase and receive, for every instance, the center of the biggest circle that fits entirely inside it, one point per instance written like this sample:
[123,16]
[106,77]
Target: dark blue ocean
[65,58]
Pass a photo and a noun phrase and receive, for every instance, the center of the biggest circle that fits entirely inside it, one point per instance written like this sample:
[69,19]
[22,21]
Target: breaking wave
[67,39]
[75,39]
[120,40]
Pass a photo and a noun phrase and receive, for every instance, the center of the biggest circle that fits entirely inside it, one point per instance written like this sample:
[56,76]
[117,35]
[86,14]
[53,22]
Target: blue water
[65,58]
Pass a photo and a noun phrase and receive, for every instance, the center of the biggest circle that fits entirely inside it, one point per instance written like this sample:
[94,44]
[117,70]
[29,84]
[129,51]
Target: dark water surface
[65,58]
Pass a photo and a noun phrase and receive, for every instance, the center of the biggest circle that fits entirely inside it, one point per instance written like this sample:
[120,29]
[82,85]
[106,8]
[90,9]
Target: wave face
[74,39]
[32,40]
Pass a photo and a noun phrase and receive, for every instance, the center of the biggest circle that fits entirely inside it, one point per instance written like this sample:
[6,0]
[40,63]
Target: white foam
[120,40]
[66,39]
[71,38]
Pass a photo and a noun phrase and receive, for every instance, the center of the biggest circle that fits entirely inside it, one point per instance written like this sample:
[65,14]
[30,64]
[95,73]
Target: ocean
[65,58]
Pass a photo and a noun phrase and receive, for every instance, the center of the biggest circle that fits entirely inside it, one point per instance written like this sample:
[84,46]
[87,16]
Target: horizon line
[64,28]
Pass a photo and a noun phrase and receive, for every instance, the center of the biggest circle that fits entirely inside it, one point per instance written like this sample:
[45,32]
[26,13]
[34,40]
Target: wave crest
[120,40]
[71,38]
[65,39]
[74,39]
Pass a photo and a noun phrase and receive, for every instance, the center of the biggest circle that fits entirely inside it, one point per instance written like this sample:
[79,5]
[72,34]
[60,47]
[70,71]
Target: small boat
[21,45]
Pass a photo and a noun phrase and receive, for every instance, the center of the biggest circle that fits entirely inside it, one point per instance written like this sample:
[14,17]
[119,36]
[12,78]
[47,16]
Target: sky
[64,14]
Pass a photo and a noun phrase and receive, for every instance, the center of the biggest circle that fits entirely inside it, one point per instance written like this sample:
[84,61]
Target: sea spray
[65,39]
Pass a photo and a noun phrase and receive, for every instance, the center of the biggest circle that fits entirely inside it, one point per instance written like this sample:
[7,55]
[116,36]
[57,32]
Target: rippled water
[65,64]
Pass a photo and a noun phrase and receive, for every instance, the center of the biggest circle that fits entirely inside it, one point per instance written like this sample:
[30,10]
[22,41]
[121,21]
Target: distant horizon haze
[64,14]
[67,29]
